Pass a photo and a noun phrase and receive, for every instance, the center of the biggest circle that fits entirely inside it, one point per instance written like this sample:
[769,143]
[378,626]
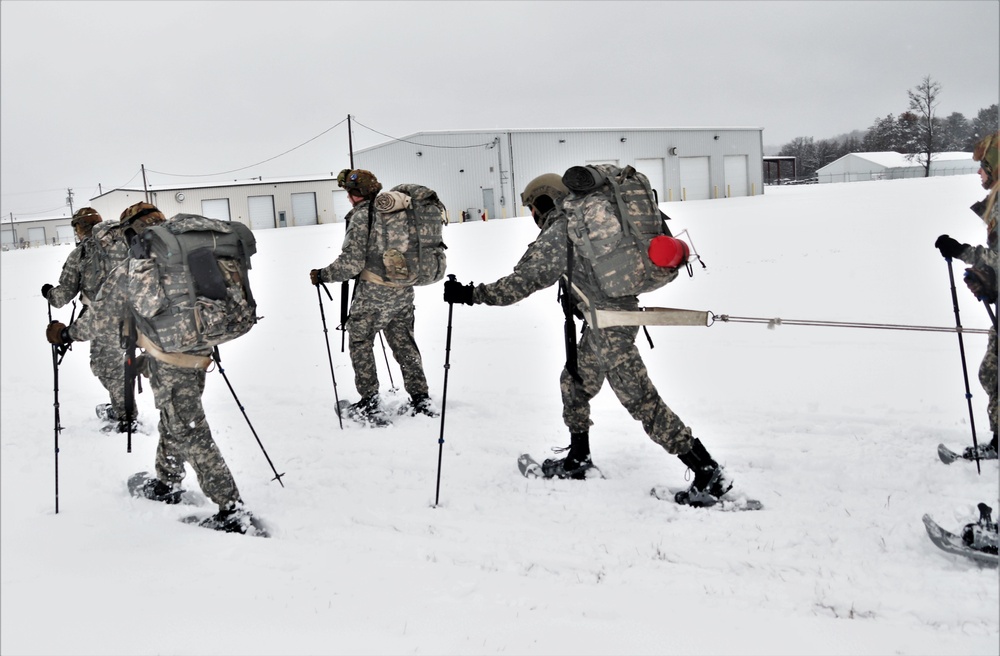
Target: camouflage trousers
[390,310]
[988,378]
[185,436]
[610,353]
[107,362]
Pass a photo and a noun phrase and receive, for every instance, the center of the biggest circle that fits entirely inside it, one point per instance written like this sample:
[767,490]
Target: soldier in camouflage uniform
[376,305]
[602,354]
[177,379]
[981,276]
[83,273]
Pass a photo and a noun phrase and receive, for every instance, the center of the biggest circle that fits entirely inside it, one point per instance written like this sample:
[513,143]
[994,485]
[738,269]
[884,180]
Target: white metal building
[891,165]
[37,232]
[482,172]
[259,203]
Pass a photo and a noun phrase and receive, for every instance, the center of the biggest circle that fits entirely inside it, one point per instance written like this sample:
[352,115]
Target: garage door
[65,234]
[341,204]
[304,209]
[736,175]
[652,168]
[695,178]
[261,212]
[36,236]
[215,208]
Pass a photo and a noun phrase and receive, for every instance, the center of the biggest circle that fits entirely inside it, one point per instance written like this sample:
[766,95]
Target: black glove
[982,282]
[949,247]
[58,334]
[46,288]
[314,276]
[456,292]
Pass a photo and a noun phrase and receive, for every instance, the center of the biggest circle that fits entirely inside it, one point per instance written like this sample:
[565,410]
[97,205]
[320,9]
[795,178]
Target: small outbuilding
[891,165]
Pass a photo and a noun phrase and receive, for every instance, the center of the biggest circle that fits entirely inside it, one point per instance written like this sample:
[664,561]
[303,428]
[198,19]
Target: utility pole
[69,200]
[145,187]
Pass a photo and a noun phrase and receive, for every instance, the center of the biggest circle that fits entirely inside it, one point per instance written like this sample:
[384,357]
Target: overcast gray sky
[93,90]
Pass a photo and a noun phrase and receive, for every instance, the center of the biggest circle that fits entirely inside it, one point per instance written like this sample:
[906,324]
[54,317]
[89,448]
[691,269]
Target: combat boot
[710,479]
[575,464]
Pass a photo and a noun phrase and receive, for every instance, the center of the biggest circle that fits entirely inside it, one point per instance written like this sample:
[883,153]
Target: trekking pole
[385,354]
[329,355]
[57,353]
[989,311]
[965,371]
[444,397]
[218,362]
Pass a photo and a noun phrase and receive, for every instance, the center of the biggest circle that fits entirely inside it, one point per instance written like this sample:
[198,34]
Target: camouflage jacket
[89,264]
[985,256]
[358,250]
[542,264]
[107,310]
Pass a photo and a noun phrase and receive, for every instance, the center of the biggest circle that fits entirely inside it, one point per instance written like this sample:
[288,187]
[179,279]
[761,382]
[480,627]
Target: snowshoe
[986,452]
[706,489]
[420,405]
[367,412]
[106,412]
[568,467]
[982,535]
[232,520]
[144,486]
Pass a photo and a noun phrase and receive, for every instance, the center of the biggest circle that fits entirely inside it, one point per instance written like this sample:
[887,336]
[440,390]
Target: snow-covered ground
[833,428]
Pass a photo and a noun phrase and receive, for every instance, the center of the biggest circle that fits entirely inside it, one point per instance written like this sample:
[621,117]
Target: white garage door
[65,234]
[341,204]
[215,208]
[261,212]
[736,175]
[652,168]
[36,236]
[304,209]
[695,178]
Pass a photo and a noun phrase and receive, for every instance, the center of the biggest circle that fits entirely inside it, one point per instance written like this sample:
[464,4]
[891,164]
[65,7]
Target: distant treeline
[901,134]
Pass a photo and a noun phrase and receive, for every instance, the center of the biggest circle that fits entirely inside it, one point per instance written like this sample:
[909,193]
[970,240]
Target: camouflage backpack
[411,219]
[198,283]
[612,218]
[102,251]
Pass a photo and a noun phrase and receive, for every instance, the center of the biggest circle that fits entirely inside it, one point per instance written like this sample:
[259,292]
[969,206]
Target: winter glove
[315,277]
[982,282]
[58,334]
[949,247]
[456,292]
[46,288]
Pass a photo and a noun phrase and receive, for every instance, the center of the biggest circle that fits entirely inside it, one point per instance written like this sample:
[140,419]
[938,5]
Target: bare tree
[923,102]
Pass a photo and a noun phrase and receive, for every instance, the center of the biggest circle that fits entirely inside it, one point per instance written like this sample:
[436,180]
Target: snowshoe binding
[982,535]
[710,479]
[144,486]
[232,520]
[368,412]
[420,405]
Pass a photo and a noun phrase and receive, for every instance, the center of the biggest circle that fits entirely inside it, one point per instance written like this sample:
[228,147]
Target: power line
[243,168]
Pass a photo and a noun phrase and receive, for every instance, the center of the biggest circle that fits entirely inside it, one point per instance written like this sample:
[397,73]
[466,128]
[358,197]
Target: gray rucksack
[412,221]
[612,218]
[200,268]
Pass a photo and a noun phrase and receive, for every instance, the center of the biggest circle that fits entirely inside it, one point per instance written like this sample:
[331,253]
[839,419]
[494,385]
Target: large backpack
[612,218]
[412,220]
[200,266]
[102,252]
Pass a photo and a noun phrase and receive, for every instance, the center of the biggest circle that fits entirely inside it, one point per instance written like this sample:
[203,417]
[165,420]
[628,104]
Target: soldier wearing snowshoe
[602,354]
[177,379]
[82,275]
[982,275]
[375,306]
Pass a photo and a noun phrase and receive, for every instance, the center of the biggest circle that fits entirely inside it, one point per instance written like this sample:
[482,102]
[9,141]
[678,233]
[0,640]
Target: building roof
[893,160]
